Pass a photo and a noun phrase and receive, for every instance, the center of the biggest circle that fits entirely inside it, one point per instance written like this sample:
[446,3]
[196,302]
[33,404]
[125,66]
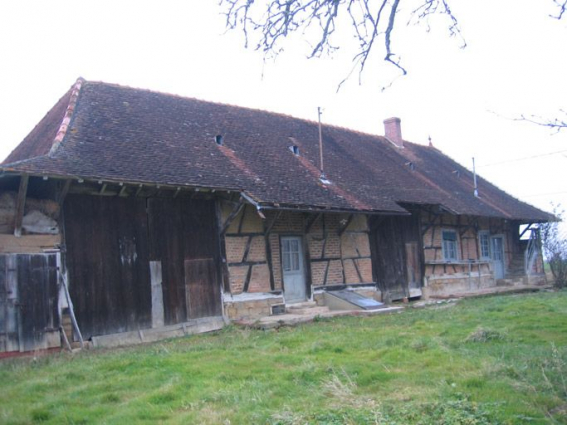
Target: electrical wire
[521,159]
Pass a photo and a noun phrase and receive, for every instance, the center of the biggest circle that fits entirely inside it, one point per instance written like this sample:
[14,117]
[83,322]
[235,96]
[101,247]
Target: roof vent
[323,179]
[219,139]
[393,131]
[411,165]
[294,149]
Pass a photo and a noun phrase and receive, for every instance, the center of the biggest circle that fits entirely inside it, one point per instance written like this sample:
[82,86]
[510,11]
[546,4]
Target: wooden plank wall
[107,262]
[182,230]
[111,242]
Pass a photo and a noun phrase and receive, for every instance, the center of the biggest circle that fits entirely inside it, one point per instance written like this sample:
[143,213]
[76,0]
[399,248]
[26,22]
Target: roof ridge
[75,90]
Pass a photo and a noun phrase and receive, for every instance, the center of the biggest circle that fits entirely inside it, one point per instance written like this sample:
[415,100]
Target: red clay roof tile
[134,135]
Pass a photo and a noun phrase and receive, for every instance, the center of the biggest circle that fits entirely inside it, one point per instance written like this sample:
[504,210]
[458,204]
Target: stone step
[305,311]
[304,304]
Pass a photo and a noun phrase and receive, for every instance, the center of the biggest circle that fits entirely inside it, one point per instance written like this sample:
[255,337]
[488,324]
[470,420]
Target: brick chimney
[393,131]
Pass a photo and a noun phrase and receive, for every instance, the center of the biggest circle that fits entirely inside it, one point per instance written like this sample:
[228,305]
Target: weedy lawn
[483,361]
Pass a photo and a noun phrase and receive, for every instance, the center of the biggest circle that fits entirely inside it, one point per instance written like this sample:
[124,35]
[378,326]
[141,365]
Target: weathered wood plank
[157,294]
[28,244]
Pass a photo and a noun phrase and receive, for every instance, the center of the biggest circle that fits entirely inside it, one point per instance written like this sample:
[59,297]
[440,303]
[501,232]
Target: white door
[497,253]
[293,269]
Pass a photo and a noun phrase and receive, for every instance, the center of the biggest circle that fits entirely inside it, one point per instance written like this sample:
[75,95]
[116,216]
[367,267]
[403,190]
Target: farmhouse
[129,212]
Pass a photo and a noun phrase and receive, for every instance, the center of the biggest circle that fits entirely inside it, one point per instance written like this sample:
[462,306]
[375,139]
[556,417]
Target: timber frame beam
[235,211]
[311,221]
[63,192]
[345,225]
[20,204]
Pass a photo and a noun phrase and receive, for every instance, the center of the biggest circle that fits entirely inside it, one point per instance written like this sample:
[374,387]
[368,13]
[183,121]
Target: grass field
[483,361]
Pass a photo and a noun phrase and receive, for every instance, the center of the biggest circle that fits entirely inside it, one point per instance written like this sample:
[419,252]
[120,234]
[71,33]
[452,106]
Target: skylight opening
[219,139]
[294,149]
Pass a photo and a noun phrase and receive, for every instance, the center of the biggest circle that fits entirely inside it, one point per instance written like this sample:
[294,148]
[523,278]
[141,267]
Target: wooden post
[63,193]
[20,204]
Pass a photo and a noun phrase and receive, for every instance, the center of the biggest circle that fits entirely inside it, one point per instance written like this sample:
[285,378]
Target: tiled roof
[133,135]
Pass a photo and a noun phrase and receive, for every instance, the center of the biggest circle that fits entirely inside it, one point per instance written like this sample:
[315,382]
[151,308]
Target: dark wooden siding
[110,242]
[28,300]
[395,244]
[182,230]
[107,260]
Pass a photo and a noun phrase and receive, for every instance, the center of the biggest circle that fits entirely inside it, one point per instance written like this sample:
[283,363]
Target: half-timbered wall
[469,272]
[336,249]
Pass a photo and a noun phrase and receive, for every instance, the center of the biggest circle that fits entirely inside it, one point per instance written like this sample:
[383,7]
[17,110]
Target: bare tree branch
[372,22]
[271,21]
[557,124]
[562,6]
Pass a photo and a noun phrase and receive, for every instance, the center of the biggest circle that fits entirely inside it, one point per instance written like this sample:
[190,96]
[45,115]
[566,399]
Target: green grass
[483,361]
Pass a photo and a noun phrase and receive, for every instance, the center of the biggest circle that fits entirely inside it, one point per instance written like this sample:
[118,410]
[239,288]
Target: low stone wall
[456,283]
[242,307]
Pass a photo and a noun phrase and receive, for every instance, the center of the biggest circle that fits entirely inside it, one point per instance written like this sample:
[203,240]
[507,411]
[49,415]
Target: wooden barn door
[9,335]
[184,240]
[107,263]
[396,255]
[28,301]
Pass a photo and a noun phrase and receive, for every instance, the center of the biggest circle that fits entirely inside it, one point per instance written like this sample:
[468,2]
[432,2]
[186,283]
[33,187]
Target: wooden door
[167,248]
[38,299]
[396,255]
[202,288]
[28,301]
[497,254]
[293,269]
[413,266]
[107,263]
[184,240]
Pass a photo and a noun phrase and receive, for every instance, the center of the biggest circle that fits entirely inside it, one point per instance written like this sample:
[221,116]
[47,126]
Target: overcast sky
[465,99]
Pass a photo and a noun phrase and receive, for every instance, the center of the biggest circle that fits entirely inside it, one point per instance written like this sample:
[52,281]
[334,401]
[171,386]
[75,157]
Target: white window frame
[446,257]
[481,234]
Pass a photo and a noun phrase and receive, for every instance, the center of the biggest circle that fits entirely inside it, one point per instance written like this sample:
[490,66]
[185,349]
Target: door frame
[503,251]
[304,257]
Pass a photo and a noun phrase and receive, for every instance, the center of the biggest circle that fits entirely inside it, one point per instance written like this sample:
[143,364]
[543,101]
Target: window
[290,254]
[449,245]
[484,243]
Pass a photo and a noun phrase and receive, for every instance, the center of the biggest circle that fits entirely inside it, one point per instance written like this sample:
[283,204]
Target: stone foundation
[456,283]
[248,307]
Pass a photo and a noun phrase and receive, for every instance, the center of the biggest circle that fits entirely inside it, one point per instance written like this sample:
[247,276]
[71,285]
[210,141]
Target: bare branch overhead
[372,22]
